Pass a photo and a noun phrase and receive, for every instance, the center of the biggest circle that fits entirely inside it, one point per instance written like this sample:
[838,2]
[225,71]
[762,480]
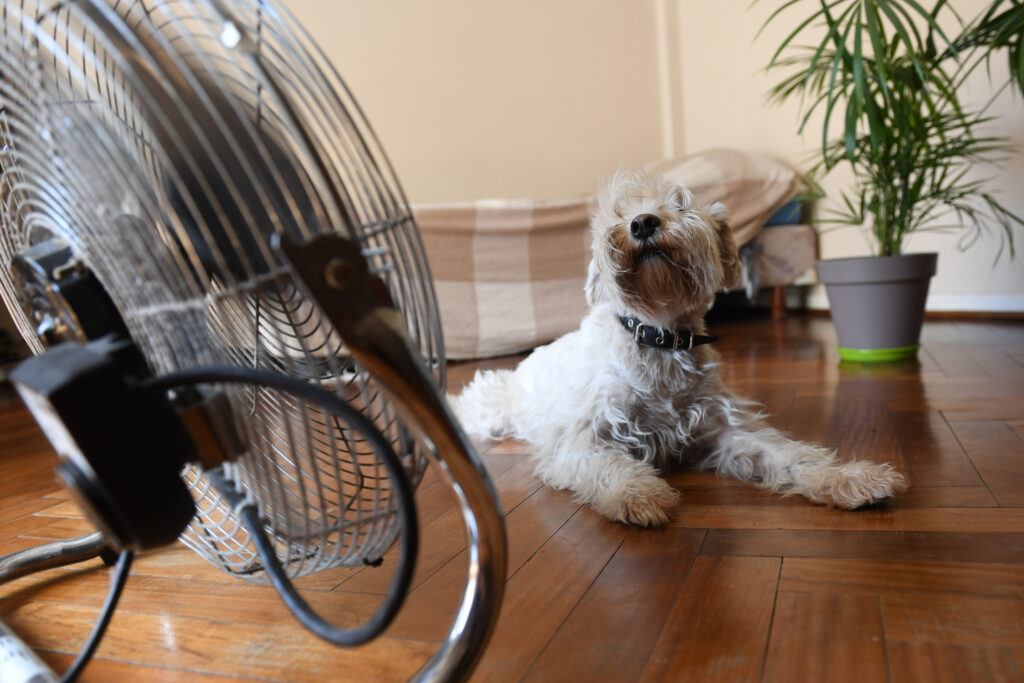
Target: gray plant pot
[877,304]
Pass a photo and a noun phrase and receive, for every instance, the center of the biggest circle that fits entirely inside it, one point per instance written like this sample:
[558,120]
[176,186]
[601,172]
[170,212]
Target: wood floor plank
[109,671]
[275,654]
[946,497]
[706,489]
[809,575]
[726,492]
[810,419]
[987,409]
[685,479]
[25,475]
[927,364]
[951,663]
[545,590]
[31,502]
[776,402]
[997,363]
[58,528]
[430,608]
[838,637]
[949,619]
[900,546]
[329,579]
[440,541]
[861,429]
[772,372]
[998,454]
[718,628]
[610,634]
[954,360]
[16,544]
[874,519]
[950,395]
[65,509]
[207,600]
[931,452]
[530,525]
[38,493]
[178,561]
[445,537]
[505,447]
[963,333]
[31,526]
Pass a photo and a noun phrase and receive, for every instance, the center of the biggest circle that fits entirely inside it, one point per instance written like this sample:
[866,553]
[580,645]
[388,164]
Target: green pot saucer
[878,355]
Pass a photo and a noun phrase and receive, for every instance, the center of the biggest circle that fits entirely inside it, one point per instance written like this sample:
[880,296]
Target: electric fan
[237,333]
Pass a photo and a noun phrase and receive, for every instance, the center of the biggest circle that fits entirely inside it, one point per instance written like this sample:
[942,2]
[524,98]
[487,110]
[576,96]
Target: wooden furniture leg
[778,303]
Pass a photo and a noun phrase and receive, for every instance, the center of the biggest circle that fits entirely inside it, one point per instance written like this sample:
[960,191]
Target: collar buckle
[680,337]
[638,335]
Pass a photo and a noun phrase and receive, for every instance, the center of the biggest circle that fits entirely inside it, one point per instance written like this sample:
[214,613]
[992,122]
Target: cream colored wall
[530,98]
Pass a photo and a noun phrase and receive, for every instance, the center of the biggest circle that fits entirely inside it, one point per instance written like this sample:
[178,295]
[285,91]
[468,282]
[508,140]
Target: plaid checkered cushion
[509,274]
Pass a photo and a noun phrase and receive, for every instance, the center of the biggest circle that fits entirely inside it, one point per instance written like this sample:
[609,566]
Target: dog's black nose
[644,225]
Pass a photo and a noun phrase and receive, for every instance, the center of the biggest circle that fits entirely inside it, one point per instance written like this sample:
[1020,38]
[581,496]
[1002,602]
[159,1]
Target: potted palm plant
[886,77]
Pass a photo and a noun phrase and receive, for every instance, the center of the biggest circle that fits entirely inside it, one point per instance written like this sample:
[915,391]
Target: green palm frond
[1001,27]
[885,77]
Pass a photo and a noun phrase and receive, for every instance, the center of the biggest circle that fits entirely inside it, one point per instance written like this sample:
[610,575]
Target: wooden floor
[742,586]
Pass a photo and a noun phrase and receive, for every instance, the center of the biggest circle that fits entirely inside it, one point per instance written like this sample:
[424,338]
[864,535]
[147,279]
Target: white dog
[636,390]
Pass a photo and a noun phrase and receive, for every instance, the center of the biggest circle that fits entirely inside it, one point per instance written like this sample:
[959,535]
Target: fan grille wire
[165,152]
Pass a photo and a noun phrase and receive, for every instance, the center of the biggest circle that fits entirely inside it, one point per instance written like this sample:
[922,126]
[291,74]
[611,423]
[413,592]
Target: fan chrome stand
[49,555]
[20,663]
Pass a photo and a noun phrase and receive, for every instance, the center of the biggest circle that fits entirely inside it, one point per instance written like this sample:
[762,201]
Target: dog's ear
[595,288]
[732,272]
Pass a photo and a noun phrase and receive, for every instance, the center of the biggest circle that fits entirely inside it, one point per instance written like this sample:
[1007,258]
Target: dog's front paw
[645,502]
[859,483]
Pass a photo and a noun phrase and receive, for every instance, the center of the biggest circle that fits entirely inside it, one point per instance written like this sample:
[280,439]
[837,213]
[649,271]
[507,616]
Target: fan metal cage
[164,143]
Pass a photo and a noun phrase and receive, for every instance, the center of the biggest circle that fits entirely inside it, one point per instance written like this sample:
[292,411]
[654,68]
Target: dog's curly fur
[607,415]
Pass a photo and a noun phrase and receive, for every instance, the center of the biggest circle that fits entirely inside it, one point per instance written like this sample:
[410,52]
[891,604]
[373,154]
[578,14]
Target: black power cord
[117,581]
[400,487]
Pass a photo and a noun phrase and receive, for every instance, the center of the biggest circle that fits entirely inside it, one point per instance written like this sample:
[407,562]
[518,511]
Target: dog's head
[657,253]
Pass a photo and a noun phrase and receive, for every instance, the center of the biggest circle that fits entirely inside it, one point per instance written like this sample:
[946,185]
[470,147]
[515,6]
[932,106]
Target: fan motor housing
[122,446]
[62,297]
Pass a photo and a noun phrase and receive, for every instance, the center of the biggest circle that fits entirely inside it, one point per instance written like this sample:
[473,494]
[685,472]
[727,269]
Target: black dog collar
[663,338]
